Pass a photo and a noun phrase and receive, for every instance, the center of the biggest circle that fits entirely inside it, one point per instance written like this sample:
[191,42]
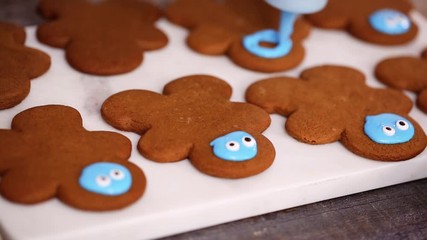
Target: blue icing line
[388,128]
[235,146]
[281,38]
[106,178]
[389,21]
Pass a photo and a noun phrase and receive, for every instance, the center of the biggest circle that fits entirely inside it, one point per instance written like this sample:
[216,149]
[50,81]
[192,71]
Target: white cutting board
[178,197]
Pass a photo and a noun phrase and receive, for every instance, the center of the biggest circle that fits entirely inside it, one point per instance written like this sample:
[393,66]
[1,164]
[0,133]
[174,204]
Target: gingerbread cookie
[48,154]
[103,38]
[409,73]
[18,65]
[333,103]
[218,28]
[195,119]
[385,22]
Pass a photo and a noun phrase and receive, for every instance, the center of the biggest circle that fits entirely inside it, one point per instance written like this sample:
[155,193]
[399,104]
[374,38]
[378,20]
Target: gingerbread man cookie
[102,38]
[409,73]
[218,28]
[18,65]
[195,119]
[385,22]
[333,103]
[49,154]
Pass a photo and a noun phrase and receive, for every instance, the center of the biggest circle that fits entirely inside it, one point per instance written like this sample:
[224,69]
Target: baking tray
[178,197]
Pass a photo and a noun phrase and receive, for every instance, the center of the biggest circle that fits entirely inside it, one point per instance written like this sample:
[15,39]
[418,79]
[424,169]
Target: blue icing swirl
[106,178]
[235,146]
[388,128]
[389,21]
[281,38]
[252,44]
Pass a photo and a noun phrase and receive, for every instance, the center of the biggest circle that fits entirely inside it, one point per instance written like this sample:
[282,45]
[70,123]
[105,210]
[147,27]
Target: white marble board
[178,197]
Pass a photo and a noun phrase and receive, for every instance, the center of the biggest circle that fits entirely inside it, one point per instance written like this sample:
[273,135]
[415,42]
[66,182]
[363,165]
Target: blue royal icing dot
[390,22]
[106,178]
[388,128]
[235,146]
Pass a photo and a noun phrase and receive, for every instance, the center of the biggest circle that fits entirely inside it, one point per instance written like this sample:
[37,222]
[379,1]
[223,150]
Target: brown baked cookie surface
[195,119]
[333,103]
[218,28]
[357,16]
[104,38]
[49,154]
[18,65]
[408,73]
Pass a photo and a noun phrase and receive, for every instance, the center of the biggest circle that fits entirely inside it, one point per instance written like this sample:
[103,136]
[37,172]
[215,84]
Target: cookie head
[194,119]
[390,21]
[235,146]
[388,128]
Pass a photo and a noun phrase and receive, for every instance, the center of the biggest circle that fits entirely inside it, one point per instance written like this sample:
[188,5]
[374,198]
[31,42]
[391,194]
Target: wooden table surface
[396,212]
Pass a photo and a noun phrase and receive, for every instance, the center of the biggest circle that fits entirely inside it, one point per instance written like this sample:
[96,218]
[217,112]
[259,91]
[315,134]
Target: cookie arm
[26,185]
[277,95]
[422,100]
[102,59]
[55,8]
[13,90]
[210,39]
[164,144]
[408,73]
[151,38]
[315,126]
[54,34]
[130,110]
[11,149]
[10,32]
[333,16]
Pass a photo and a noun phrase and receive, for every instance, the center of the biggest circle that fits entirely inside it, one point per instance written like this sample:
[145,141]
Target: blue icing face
[388,128]
[236,146]
[390,22]
[106,178]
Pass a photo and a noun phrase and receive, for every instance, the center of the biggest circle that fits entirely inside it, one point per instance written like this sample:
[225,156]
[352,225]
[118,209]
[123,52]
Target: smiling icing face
[388,128]
[235,146]
[390,22]
[106,178]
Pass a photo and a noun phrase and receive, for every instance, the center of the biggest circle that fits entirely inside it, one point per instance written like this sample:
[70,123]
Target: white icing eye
[117,174]
[405,23]
[232,146]
[389,131]
[248,141]
[103,181]
[402,125]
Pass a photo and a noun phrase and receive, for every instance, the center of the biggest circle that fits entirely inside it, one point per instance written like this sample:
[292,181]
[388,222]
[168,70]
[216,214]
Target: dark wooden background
[396,212]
